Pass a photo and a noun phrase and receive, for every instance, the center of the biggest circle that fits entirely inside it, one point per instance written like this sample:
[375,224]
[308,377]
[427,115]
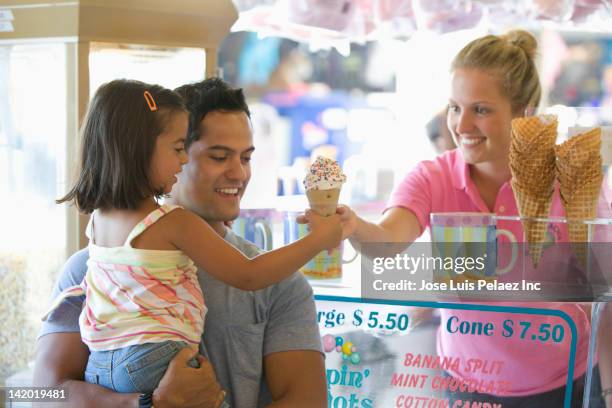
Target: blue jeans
[136,368]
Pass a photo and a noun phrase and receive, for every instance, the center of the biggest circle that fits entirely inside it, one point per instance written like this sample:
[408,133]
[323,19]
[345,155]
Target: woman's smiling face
[479,116]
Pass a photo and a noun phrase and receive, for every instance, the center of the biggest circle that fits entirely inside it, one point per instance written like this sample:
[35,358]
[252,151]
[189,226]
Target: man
[264,346]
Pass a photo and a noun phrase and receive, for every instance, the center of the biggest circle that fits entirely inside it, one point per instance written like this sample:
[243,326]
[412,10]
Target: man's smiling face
[214,180]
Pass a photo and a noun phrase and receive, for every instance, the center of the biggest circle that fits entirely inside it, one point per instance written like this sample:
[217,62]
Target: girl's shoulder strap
[149,220]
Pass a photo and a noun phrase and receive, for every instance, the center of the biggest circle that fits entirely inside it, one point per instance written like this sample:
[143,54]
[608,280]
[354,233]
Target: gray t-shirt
[240,329]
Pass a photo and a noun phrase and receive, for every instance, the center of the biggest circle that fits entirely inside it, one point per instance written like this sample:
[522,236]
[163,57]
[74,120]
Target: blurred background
[362,81]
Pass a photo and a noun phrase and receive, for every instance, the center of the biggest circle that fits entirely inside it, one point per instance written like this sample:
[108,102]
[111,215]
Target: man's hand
[188,387]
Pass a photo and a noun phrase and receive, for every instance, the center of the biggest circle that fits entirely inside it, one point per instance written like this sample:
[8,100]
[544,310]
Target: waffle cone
[532,164]
[532,206]
[323,202]
[580,176]
[534,130]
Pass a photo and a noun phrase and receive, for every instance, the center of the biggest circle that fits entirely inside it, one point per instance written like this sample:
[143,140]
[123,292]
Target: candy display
[347,348]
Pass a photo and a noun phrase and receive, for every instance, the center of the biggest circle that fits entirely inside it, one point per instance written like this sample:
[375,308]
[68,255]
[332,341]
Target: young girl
[143,302]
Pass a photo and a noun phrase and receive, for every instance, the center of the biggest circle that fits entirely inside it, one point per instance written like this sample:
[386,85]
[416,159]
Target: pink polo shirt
[529,367]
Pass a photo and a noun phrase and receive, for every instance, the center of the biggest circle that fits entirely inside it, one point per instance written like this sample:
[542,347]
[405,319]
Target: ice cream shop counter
[517,323]
[485,310]
[516,329]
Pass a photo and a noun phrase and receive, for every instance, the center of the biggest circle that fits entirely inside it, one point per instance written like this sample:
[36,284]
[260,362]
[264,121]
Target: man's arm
[296,379]
[61,359]
[60,362]
[294,364]
[61,355]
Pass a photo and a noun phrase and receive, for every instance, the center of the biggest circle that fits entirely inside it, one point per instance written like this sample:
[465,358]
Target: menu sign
[451,355]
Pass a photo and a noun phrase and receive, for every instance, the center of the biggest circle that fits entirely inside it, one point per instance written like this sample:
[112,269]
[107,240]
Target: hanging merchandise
[446,15]
[329,14]
[324,24]
[555,10]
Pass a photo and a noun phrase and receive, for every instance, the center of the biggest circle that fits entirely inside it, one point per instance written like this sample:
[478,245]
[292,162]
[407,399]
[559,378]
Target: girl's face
[169,154]
[479,116]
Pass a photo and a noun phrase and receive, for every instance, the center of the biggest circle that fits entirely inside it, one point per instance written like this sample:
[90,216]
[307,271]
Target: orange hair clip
[150,101]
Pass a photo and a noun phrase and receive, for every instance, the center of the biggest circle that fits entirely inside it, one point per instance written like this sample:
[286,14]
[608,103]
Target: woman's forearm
[367,231]
[397,229]
[398,225]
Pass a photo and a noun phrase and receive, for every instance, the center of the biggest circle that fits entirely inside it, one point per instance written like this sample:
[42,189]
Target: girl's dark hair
[118,139]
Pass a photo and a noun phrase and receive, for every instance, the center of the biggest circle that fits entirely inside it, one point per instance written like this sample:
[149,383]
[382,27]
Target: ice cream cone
[323,183]
[580,176]
[323,202]
[532,164]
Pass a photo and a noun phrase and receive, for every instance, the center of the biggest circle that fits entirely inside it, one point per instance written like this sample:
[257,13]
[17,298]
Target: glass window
[169,67]
[33,84]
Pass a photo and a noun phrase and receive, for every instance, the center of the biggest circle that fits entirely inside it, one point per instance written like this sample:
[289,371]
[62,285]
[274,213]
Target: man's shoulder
[74,269]
[66,317]
[293,284]
[246,247]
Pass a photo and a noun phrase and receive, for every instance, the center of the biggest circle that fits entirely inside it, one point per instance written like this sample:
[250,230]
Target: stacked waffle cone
[580,176]
[532,163]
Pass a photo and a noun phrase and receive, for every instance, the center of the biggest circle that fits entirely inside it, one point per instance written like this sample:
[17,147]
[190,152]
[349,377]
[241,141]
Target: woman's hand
[348,218]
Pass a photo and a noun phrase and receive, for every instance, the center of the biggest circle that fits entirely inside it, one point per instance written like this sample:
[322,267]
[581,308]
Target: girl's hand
[328,230]
[348,219]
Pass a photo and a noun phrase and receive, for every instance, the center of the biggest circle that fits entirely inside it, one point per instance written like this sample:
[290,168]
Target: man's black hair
[209,95]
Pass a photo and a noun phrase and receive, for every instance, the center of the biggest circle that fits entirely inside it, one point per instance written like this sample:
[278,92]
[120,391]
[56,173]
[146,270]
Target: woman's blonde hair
[511,56]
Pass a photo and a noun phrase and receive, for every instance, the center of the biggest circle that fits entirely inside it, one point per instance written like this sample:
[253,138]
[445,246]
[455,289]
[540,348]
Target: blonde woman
[494,79]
